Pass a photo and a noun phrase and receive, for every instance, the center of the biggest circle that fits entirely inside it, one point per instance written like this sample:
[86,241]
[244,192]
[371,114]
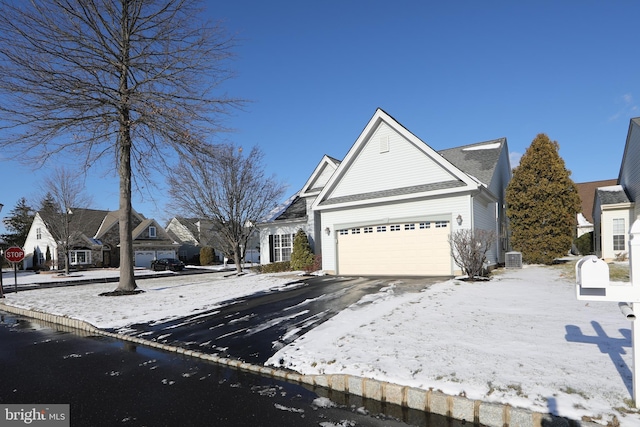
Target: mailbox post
[593,284]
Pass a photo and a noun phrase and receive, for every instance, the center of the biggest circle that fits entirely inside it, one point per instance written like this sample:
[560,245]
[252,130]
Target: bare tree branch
[137,79]
[228,188]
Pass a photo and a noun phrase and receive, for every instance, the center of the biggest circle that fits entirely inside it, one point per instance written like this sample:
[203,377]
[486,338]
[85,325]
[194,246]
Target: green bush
[301,256]
[207,256]
[276,267]
[584,244]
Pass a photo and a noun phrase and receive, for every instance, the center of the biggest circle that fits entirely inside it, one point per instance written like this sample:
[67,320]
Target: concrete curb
[429,401]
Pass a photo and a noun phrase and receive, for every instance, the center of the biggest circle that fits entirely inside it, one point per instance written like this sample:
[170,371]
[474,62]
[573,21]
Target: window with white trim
[395,227]
[282,247]
[355,231]
[368,230]
[152,232]
[619,232]
[424,225]
[381,228]
[38,233]
[409,226]
[442,224]
[343,232]
[80,257]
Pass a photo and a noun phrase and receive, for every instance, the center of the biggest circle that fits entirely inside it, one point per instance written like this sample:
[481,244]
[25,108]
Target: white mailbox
[593,284]
[592,272]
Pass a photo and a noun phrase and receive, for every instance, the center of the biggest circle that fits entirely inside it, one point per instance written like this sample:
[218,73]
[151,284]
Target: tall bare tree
[127,81]
[230,189]
[59,208]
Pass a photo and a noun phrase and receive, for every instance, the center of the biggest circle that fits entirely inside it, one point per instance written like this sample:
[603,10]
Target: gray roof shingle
[477,160]
[612,195]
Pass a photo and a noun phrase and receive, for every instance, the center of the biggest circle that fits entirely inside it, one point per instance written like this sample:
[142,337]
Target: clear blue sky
[453,73]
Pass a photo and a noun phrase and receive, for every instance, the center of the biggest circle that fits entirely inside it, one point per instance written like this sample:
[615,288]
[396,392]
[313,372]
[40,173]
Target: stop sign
[14,254]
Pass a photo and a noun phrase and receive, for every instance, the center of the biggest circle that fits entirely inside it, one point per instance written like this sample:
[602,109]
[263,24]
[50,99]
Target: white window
[282,247]
[368,229]
[381,228]
[619,232]
[409,226]
[343,232]
[80,257]
[38,233]
[152,232]
[425,225]
[355,231]
[394,227]
[441,224]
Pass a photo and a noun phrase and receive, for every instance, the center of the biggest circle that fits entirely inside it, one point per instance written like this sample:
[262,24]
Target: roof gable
[139,232]
[387,161]
[320,176]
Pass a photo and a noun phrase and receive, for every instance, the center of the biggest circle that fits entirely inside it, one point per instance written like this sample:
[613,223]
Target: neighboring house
[195,233]
[95,240]
[587,191]
[192,234]
[615,207]
[390,205]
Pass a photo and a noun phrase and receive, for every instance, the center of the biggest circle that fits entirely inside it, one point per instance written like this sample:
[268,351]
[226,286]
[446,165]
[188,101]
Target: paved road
[107,383]
[252,329]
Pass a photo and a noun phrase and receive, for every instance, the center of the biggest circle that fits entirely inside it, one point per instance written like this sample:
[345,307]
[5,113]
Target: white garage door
[143,258]
[166,254]
[420,249]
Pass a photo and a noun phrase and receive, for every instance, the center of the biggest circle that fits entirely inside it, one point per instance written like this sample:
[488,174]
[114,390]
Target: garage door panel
[417,251]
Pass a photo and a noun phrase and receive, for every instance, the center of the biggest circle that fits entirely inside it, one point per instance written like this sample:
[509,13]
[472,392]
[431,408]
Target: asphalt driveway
[252,329]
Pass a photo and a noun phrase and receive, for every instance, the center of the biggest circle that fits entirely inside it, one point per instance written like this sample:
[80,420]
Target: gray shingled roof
[86,221]
[394,192]
[478,163]
[612,195]
[297,209]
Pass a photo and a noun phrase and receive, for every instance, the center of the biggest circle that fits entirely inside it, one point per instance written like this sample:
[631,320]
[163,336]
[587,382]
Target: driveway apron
[252,329]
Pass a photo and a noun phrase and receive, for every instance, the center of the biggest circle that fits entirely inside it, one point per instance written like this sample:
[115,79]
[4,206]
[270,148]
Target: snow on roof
[279,210]
[491,146]
[582,221]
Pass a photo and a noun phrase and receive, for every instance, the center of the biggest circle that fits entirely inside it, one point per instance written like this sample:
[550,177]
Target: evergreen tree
[301,256]
[48,258]
[542,203]
[18,224]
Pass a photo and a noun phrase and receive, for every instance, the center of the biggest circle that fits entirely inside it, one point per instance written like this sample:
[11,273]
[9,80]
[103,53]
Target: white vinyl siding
[403,165]
[629,170]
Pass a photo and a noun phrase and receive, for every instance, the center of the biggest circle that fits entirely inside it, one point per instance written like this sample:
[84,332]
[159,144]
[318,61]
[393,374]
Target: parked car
[167,264]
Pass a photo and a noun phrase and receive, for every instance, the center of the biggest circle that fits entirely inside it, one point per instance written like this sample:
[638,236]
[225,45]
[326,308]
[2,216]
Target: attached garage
[415,248]
[144,258]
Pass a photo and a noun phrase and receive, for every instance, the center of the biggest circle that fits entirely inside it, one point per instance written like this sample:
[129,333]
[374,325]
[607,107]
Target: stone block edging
[430,401]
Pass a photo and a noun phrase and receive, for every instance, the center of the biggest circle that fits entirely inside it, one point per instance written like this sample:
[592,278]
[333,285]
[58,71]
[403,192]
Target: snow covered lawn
[164,298]
[522,338]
